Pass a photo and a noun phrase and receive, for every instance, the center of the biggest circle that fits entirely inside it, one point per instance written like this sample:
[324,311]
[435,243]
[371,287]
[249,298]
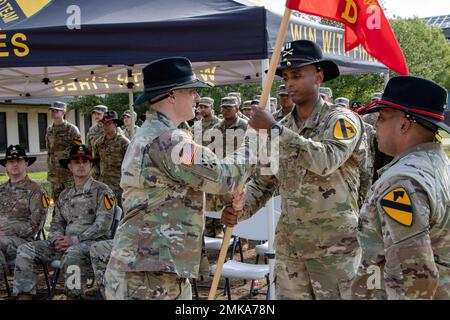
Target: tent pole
[130,86]
[386,78]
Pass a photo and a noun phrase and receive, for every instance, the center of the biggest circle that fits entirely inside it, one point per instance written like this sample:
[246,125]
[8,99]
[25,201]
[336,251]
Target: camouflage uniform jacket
[370,118]
[318,181]
[84,214]
[110,153]
[404,229]
[23,207]
[94,133]
[200,128]
[163,176]
[127,132]
[59,140]
[278,115]
[232,136]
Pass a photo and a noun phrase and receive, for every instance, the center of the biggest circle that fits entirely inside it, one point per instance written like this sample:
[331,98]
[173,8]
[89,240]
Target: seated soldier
[83,215]
[23,205]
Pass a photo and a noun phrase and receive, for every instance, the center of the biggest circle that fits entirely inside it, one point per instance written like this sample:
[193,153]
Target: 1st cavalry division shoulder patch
[45,201]
[109,201]
[344,130]
[397,205]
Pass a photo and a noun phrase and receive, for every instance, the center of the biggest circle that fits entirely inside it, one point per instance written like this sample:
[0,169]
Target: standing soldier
[286,104]
[343,102]
[320,148]
[209,120]
[404,225]
[326,94]
[231,126]
[109,151]
[96,131]
[60,137]
[238,97]
[128,119]
[83,215]
[247,108]
[158,244]
[23,205]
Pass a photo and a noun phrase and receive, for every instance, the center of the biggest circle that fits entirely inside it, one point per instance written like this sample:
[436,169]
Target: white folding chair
[254,228]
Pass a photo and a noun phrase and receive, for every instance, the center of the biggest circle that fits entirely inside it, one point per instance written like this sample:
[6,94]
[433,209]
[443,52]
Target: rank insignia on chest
[397,205]
[45,201]
[109,201]
[344,130]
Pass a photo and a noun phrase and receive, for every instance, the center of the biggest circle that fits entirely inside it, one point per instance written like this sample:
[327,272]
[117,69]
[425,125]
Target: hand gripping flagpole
[262,103]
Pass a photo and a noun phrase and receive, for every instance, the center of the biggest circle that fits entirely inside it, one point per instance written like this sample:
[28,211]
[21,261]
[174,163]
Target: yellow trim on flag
[30,7]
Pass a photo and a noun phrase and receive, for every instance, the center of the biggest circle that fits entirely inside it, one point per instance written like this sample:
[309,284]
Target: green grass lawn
[37,176]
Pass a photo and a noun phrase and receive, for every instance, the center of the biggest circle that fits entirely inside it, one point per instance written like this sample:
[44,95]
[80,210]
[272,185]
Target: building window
[23,130]
[42,119]
[3,139]
[87,123]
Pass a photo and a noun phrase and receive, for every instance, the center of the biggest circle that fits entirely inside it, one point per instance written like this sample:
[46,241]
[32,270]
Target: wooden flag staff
[262,104]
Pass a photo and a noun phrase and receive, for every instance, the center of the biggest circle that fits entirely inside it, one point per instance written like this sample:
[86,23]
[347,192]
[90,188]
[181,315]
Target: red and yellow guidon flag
[365,24]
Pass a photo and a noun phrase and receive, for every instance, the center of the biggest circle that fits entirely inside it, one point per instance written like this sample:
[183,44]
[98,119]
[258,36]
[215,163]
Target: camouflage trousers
[326,278]
[8,249]
[100,253]
[146,286]
[75,264]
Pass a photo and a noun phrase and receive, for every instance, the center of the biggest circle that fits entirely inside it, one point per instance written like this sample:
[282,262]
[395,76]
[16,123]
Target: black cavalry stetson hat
[15,152]
[418,97]
[112,115]
[164,75]
[80,152]
[297,54]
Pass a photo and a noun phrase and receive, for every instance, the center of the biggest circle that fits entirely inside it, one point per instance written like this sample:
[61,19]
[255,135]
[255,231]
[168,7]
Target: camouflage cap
[128,114]
[247,104]
[257,97]
[273,100]
[376,96]
[255,102]
[58,105]
[237,95]
[342,101]
[325,91]
[229,101]
[206,101]
[100,108]
[282,90]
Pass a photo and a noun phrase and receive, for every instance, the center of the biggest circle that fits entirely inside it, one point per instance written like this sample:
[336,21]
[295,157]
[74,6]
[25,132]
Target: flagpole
[262,103]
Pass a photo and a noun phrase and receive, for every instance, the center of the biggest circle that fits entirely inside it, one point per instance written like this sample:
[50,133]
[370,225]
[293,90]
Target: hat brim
[29,160]
[377,107]
[119,122]
[152,94]
[57,109]
[330,68]
[65,162]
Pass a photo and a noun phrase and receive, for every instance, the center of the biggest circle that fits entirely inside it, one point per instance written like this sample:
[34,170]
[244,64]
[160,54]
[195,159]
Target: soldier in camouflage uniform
[59,138]
[247,108]
[109,151]
[128,119]
[404,225]
[209,120]
[371,118]
[23,205]
[286,104]
[320,148]
[158,244]
[83,214]
[96,131]
[326,94]
[343,102]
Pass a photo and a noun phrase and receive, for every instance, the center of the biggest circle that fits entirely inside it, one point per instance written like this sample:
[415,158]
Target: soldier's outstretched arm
[404,212]
[342,135]
[104,215]
[189,163]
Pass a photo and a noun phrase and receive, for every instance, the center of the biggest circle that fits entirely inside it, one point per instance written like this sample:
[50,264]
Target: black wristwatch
[276,128]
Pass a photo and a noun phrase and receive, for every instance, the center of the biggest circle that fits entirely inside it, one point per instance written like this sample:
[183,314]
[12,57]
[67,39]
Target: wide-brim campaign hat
[297,54]
[164,75]
[78,153]
[112,116]
[16,152]
[418,97]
